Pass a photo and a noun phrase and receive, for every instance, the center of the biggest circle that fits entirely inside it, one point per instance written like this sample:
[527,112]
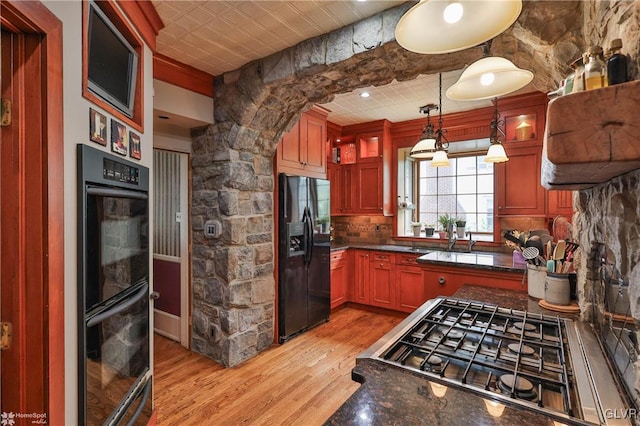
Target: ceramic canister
[536,276]
[557,289]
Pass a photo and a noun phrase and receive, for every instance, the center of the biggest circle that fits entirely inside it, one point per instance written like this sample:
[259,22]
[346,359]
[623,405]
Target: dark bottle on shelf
[616,63]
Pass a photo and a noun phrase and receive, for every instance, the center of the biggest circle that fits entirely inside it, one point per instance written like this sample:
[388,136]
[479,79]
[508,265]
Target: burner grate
[513,353]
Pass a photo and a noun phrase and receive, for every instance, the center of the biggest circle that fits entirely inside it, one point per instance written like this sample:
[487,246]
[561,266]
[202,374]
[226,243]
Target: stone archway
[233,283]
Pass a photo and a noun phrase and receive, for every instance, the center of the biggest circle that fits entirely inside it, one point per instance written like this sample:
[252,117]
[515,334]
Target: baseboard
[166,325]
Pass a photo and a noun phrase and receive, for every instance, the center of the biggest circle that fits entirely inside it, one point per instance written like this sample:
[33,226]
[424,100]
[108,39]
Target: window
[464,190]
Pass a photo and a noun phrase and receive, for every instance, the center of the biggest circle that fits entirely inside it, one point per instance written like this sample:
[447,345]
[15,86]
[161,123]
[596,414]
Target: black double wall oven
[114,375]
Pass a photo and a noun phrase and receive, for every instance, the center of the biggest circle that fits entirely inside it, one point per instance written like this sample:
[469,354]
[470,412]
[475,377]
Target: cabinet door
[360,289]
[313,143]
[349,189]
[290,157]
[369,188]
[518,189]
[559,203]
[334,174]
[338,279]
[381,274]
[369,146]
[410,291]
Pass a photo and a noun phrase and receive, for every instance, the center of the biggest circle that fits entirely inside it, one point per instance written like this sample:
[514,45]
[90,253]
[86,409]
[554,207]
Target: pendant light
[443,26]
[425,147]
[496,152]
[440,158]
[488,78]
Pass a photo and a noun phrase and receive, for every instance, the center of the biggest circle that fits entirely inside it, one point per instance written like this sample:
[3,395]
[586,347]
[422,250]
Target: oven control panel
[119,172]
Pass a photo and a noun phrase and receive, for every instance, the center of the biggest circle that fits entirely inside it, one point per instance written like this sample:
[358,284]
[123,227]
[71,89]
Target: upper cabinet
[302,150]
[361,170]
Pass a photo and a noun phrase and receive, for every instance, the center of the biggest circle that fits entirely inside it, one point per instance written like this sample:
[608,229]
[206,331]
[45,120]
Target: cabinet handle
[442,280]
[381,265]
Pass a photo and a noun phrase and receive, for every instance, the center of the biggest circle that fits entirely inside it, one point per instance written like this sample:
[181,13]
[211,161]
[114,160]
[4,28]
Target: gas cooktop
[537,362]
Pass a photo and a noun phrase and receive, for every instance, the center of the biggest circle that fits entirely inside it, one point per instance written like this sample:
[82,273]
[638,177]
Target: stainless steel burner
[527,327]
[523,389]
[523,350]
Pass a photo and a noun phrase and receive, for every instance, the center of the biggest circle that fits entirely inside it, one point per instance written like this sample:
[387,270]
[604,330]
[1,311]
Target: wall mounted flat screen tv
[113,63]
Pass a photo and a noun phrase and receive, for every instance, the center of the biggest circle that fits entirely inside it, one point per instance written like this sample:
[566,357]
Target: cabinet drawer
[406,259]
[337,255]
[382,257]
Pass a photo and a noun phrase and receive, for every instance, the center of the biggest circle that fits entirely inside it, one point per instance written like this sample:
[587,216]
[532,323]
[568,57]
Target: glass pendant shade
[443,26]
[487,78]
[424,148]
[440,159]
[496,154]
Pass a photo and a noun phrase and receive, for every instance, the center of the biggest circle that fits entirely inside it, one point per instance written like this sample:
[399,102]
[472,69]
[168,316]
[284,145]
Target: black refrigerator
[304,283]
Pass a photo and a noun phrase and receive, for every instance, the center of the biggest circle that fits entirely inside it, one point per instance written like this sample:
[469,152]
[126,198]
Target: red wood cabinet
[409,283]
[560,203]
[339,274]
[359,291]
[517,183]
[302,150]
[335,176]
[381,274]
[441,280]
[369,197]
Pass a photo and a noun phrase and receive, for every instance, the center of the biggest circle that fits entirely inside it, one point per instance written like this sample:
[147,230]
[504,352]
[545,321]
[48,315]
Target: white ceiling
[221,36]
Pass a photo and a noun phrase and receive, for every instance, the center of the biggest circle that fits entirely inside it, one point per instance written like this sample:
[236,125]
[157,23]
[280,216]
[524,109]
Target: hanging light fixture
[425,147]
[488,78]
[440,158]
[496,152]
[443,26]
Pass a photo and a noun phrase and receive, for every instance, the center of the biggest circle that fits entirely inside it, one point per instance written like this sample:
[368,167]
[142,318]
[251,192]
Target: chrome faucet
[452,240]
[471,243]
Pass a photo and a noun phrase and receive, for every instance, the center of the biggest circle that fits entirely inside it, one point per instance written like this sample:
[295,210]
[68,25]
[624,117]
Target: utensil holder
[557,289]
[536,278]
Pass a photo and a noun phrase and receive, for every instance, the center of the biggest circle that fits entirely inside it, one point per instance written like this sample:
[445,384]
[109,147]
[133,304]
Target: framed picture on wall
[119,142]
[97,127]
[134,146]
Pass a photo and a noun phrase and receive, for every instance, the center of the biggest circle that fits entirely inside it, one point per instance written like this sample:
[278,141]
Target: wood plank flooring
[299,383]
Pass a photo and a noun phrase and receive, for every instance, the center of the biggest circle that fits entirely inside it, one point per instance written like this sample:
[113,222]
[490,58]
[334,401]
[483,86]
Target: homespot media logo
[9,419]
[622,413]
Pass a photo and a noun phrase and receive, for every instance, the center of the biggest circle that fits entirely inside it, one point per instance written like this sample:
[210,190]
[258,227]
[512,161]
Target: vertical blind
[166,202]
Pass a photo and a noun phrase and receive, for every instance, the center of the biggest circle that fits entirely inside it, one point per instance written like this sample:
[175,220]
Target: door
[32,212]
[292,256]
[171,278]
[319,264]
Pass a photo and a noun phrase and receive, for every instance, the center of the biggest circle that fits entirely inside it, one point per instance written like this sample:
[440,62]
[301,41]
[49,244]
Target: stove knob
[442,280]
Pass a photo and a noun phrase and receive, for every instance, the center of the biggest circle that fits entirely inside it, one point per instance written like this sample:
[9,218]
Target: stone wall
[233,283]
[608,214]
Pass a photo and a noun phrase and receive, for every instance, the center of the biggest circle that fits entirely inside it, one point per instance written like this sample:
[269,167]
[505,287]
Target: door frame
[40,251]
[166,143]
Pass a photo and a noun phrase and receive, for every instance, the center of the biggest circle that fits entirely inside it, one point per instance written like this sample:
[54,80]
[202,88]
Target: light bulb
[453,13]
[487,78]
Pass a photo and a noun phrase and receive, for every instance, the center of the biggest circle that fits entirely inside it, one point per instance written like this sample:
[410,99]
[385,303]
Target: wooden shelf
[591,137]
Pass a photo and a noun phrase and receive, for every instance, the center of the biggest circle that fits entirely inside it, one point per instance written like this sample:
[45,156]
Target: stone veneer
[232,163]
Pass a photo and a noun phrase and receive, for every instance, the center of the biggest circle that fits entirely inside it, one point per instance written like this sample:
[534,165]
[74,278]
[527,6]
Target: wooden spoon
[558,254]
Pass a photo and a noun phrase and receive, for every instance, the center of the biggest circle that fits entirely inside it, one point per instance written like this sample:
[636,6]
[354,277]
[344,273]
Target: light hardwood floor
[299,383]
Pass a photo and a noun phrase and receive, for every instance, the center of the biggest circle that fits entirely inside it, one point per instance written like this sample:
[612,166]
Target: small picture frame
[97,127]
[134,146]
[119,142]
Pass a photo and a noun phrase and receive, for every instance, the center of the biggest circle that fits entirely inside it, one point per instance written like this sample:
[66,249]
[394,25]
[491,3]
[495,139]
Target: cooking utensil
[558,254]
[532,253]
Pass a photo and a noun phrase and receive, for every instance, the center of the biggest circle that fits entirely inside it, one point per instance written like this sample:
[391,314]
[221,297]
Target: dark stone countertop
[475,259]
[393,396]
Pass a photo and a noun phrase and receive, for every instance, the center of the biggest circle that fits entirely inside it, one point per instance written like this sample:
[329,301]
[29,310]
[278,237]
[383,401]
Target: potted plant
[461,223]
[429,229]
[446,222]
[416,226]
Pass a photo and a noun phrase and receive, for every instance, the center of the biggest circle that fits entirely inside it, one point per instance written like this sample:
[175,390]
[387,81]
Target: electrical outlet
[212,229]
[377,228]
